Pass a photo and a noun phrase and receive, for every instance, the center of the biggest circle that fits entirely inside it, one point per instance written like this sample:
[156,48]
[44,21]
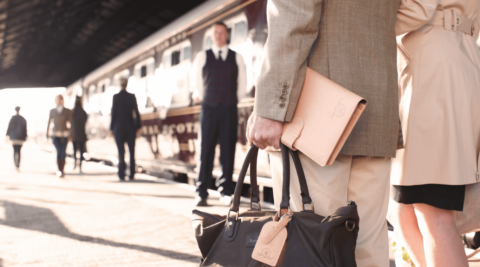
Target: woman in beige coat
[439,83]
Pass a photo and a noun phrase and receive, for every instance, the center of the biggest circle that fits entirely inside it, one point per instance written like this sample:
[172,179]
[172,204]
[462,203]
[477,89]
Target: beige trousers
[364,180]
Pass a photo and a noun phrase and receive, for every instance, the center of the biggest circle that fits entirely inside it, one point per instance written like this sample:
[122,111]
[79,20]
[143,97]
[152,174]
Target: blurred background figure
[221,82]
[125,126]
[61,118]
[77,132]
[17,132]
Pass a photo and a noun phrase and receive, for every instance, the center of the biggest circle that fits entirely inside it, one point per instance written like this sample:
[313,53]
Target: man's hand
[264,132]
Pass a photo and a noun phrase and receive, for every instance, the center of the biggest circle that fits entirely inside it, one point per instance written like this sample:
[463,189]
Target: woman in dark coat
[17,132]
[77,132]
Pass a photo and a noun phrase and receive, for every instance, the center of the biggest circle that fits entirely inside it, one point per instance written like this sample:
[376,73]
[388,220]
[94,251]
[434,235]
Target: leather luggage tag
[271,241]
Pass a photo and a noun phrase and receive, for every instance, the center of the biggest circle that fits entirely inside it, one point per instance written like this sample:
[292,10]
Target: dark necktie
[220,55]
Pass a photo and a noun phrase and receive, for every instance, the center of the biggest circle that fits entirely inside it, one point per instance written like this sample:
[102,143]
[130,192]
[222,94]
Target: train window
[143,71]
[208,43]
[166,60]
[91,90]
[229,35]
[175,57]
[187,52]
[240,31]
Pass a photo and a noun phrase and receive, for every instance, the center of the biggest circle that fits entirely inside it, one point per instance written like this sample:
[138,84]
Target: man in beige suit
[352,43]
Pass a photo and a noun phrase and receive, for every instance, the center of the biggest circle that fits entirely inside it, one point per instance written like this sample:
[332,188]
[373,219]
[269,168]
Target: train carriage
[160,72]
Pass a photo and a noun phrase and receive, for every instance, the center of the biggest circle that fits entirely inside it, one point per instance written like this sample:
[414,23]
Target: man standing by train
[220,83]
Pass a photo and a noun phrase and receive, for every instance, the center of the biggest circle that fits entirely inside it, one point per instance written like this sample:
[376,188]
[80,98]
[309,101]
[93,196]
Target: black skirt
[447,197]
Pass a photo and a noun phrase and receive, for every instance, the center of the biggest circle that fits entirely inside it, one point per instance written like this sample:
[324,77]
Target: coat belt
[453,21]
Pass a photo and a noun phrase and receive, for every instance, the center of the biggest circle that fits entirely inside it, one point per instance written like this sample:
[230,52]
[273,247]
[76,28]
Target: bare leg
[440,237]
[407,230]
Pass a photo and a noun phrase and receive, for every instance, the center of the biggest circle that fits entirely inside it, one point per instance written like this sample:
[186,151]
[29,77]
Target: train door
[91,106]
[105,95]
[173,76]
[142,83]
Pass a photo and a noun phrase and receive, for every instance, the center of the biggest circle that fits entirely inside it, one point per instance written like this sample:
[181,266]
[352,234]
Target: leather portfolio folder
[324,118]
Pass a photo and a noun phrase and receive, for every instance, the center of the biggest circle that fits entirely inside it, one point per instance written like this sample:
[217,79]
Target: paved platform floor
[92,219]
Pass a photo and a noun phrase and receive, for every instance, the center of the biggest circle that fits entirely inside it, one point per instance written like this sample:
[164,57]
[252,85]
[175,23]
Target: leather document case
[325,116]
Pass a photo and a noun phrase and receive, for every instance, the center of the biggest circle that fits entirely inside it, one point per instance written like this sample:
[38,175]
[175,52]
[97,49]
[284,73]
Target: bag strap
[254,195]
[286,180]
[306,200]
[250,160]
[284,205]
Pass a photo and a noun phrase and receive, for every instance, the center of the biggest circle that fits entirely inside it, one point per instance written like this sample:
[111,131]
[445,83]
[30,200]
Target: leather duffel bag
[312,239]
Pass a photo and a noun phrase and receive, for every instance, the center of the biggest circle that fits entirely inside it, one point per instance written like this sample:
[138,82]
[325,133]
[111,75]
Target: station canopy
[52,43]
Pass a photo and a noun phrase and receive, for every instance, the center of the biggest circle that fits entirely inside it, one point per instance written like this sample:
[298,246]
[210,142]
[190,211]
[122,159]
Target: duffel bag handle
[306,200]
[251,160]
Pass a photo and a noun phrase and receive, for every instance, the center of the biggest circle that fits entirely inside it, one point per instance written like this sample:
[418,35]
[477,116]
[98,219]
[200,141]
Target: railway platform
[92,219]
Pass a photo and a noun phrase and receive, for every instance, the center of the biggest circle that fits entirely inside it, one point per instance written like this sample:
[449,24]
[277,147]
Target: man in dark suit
[125,126]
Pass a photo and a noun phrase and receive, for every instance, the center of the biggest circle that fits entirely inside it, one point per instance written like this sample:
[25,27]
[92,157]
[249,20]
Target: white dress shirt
[201,60]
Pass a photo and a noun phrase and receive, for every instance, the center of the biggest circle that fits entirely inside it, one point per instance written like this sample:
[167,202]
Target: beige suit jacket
[349,41]
[439,82]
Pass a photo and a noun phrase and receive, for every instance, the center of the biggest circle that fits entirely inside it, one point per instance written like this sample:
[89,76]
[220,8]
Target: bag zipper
[209,215]
[331,250]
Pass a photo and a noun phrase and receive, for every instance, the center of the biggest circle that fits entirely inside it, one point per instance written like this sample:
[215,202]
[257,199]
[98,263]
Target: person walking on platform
[125,126]
[61,118]
[220,83]
[17,132]
[439,82]
[77,133]
[353,44]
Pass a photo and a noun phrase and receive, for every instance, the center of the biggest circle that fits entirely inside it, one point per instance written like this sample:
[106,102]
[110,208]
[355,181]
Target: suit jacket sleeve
[138,120]
[293,28]
[197,81]
[113,114]
[26,129]
[413,14]
[9,129]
